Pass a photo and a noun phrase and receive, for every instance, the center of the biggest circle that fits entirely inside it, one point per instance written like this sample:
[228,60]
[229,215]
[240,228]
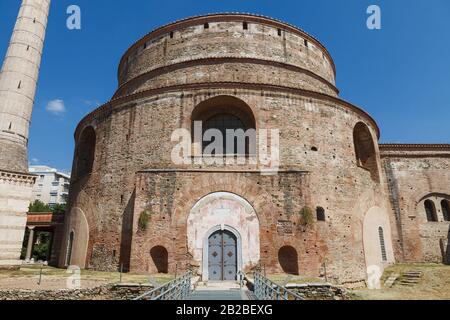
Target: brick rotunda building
[339,199]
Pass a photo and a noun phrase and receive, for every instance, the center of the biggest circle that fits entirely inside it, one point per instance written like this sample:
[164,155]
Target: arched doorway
[222,256]
[223,211]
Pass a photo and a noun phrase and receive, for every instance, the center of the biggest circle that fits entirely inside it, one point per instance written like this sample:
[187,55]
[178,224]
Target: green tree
[38,206]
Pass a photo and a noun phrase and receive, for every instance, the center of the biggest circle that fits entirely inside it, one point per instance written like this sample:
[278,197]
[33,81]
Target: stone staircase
[219,291]
[411,278]
[389,283]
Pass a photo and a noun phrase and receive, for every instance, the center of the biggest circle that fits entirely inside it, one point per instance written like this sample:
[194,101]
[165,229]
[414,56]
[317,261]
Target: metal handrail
[266,289]
[241,278]
[178,289]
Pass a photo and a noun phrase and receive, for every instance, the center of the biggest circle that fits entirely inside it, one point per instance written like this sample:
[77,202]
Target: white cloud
[56,106]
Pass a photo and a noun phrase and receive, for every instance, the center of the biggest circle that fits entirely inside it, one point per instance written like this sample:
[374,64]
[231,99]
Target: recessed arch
[85,153]
[160,259]
[445,204]
[430,211]
[222,113]
[377,244]
[288,259]
[365,152]
[224,211]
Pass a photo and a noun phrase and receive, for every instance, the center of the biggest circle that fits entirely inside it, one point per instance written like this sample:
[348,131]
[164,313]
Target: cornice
[223,17]
[109,106]
[230,59]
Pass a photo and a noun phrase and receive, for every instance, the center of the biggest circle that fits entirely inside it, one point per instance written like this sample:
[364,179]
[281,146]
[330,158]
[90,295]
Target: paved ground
[219,291]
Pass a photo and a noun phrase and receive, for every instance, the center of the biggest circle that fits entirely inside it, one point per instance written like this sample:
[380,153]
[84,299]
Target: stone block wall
[414,174]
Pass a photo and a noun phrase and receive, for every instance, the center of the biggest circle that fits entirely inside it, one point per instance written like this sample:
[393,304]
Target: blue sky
[399,74]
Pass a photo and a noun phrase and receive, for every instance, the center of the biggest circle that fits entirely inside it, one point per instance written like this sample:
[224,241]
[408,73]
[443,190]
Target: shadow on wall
[127,234]
[288,258]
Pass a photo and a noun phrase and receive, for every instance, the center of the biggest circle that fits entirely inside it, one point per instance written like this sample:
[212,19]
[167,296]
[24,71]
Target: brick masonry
[284,80]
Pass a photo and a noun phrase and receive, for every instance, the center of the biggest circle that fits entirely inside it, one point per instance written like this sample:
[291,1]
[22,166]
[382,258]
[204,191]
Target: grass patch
[106,277]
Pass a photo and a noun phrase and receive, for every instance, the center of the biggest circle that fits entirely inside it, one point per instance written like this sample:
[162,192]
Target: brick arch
[85,153]
[224,104]
[160,259]
[83,213]
[365,150]
[288,259]
[419,207]
[419,196]
[232,184]
[206,105]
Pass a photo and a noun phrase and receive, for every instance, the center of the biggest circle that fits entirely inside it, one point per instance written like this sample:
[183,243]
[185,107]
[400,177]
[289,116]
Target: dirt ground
[435,284]
[27,278]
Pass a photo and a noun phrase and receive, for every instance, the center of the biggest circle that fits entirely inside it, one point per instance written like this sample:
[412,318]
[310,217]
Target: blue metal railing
[178,289]
[265,289]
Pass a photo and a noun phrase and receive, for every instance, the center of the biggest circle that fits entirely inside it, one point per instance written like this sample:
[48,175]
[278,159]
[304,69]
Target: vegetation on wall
[143,221]
[306,217]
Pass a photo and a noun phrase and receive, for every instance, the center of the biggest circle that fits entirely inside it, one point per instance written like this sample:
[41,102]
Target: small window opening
[382,244]
[20,85]
[206,25]
[279,32]
[320,214]
[306,43]
[245,25]
[171,34]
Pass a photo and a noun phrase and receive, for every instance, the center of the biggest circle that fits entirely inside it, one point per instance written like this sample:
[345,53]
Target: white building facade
[51,187]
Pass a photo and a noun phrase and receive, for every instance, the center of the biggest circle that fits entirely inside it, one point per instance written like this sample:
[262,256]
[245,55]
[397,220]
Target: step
[389,283]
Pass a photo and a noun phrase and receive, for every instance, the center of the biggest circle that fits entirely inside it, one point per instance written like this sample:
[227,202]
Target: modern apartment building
[51,187]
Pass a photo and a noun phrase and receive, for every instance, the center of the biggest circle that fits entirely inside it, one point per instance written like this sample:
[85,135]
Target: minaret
[18,80]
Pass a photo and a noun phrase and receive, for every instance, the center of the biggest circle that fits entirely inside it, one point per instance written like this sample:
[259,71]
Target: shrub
[306,217]
[143,221]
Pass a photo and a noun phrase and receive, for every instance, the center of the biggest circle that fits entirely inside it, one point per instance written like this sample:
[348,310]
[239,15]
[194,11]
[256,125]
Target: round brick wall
[283,82]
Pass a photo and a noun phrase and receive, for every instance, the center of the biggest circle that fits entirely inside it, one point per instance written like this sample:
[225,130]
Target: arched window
[382,244]
[446,209]
[160,258]
[288,259]
[230,118]
[320,212]
[223,123]
[430,210]
[85,153]
[69,249]
[365,150]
